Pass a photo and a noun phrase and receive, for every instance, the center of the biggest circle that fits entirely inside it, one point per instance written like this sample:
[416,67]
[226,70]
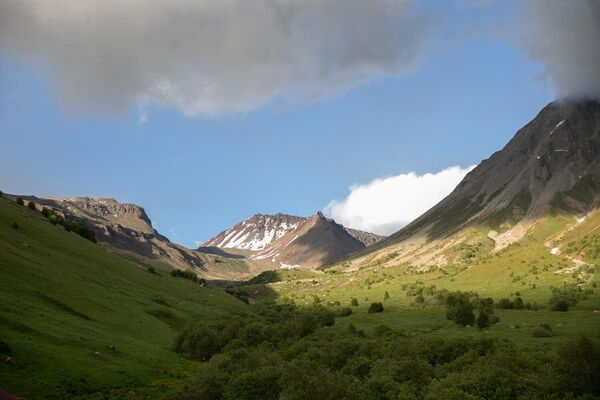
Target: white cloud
[210,56]
[385,205]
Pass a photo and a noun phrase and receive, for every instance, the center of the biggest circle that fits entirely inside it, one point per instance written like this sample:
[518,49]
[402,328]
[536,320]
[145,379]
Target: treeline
[78,227]
[287,353]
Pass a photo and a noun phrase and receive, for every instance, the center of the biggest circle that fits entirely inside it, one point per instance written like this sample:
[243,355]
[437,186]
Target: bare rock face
[553,162]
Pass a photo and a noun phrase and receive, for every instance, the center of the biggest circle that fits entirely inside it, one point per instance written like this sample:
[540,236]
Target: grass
[526,268]
[64,301]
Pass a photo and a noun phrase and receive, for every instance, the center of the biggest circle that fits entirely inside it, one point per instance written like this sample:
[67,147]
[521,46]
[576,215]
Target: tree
[560,305]
[46,212]
[15,225]
[518,304]
[505,304]
[483,320]
[386,295]
[354,302]
[31,205]
[19,201]
[464,315]
[376,308]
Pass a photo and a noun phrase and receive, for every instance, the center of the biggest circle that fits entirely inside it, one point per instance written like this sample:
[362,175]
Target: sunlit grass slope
[526,269]
[64,302]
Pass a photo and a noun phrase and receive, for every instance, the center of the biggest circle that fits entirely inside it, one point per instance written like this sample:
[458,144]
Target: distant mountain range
[237,253]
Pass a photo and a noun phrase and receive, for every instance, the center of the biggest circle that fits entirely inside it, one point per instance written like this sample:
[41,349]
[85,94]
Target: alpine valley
[491,294]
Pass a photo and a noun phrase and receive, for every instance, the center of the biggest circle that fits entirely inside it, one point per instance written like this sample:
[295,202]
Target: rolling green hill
[64,301]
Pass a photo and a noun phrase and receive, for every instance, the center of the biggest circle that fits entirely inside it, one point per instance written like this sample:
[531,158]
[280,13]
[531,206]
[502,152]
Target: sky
[208,112]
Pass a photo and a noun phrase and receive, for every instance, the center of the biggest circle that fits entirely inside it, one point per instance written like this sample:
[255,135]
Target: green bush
[459,308]
[376,308]
[483,320]
[386,296]
[151,269]
[559,305]
[15,225]
[505,304]
[518,304]
[186,274]
[344,312]
[31,205]
[20,201]
[542,331]
[354,302]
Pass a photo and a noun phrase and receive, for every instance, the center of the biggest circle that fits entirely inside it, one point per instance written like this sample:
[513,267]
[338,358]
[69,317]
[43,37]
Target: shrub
[354,302]
[518,304]
[542,331]
[483,320]
[189,275]
[344,312]
[376,308]
[419,299]
[386,295]
[505,304]
[20,201]
[15,225]
[198,343]
[459,308]
[152,270]
[579,367]
[79,228]
[46,212]
[559,305]
[31,205]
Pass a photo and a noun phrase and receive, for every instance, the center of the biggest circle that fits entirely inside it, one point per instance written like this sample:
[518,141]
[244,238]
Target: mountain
[255,233]
[552,165]
[316,241]
[260,231]
[127,230]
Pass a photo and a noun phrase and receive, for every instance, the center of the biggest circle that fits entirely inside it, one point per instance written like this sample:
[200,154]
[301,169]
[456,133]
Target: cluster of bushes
[272,326]
[239,293]
[567,296]
[516,304]
[187,274]
[285,355]
[588,247]
[460,307]
[78,227]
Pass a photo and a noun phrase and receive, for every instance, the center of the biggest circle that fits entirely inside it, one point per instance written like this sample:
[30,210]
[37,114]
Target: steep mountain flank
[316,241]
[552,165]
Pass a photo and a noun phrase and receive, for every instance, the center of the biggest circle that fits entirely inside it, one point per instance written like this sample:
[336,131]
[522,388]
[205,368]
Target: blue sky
[196,175]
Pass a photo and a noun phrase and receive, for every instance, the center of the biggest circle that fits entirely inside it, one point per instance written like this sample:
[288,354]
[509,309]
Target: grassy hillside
[64,301]
[525,269]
